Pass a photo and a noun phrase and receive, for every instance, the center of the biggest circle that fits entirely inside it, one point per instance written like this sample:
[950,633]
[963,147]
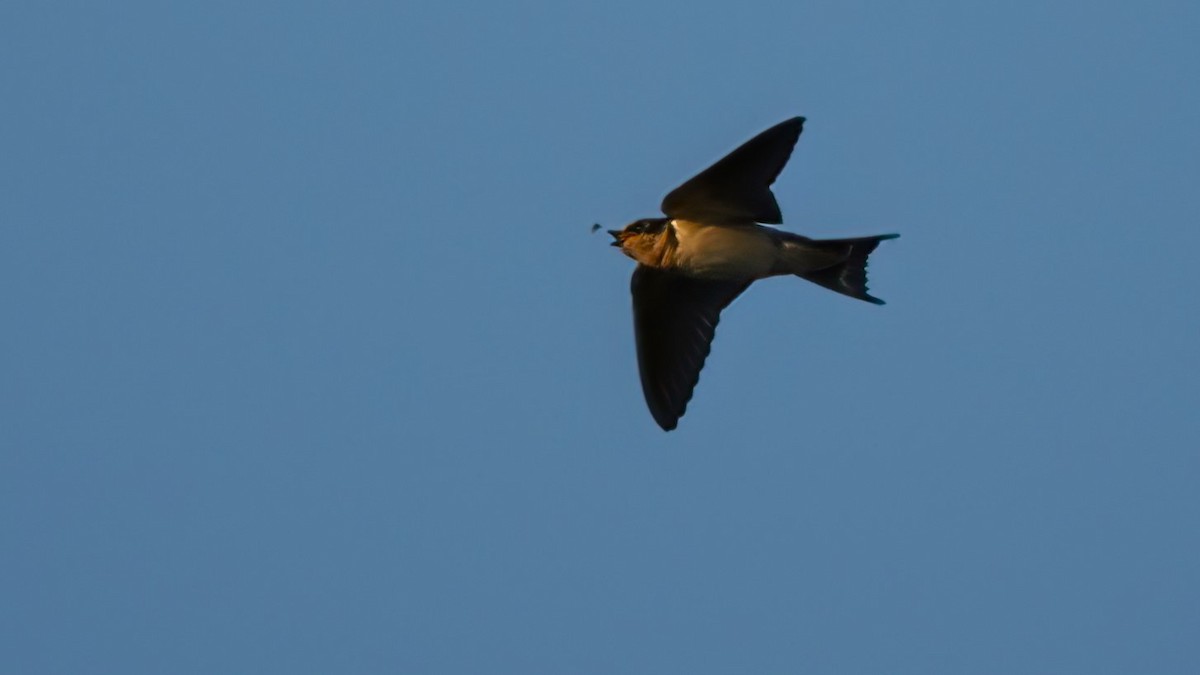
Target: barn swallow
[710,247]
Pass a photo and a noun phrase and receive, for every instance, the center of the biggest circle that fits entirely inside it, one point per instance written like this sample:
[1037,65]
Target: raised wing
[738,186]
[674,319]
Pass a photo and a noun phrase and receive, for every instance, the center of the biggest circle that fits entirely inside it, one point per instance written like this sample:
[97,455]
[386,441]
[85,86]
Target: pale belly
[724,251]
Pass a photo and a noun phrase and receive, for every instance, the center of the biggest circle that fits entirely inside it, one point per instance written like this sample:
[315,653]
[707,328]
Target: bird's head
[642,239]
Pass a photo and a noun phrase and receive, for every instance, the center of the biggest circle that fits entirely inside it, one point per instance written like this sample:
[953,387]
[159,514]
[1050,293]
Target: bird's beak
[616,235]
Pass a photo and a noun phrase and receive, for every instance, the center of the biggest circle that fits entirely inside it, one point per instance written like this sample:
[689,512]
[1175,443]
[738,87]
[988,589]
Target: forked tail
[848,277]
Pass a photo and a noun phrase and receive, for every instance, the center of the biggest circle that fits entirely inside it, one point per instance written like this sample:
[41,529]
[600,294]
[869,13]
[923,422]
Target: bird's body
[710,248]
[730,251]
[723,251]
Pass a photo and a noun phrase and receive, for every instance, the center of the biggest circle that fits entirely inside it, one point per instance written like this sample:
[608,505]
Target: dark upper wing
[739,184]
[674,318]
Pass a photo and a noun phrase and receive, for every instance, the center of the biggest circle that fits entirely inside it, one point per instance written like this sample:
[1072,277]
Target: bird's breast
[724,251]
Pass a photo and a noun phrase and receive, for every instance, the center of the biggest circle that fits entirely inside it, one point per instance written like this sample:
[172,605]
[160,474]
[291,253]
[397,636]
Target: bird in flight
[708,249]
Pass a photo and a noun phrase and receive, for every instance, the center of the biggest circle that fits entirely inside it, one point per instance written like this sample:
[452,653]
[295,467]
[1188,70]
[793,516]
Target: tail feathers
[848,277]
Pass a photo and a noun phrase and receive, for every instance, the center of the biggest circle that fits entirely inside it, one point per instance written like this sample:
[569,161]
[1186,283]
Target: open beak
[616,235]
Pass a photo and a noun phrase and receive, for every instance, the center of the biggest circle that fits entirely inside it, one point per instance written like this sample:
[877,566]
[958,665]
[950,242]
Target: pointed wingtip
[797,121]
[664,418]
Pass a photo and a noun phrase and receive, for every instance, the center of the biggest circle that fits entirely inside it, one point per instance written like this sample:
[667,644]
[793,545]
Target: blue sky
[312,365]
